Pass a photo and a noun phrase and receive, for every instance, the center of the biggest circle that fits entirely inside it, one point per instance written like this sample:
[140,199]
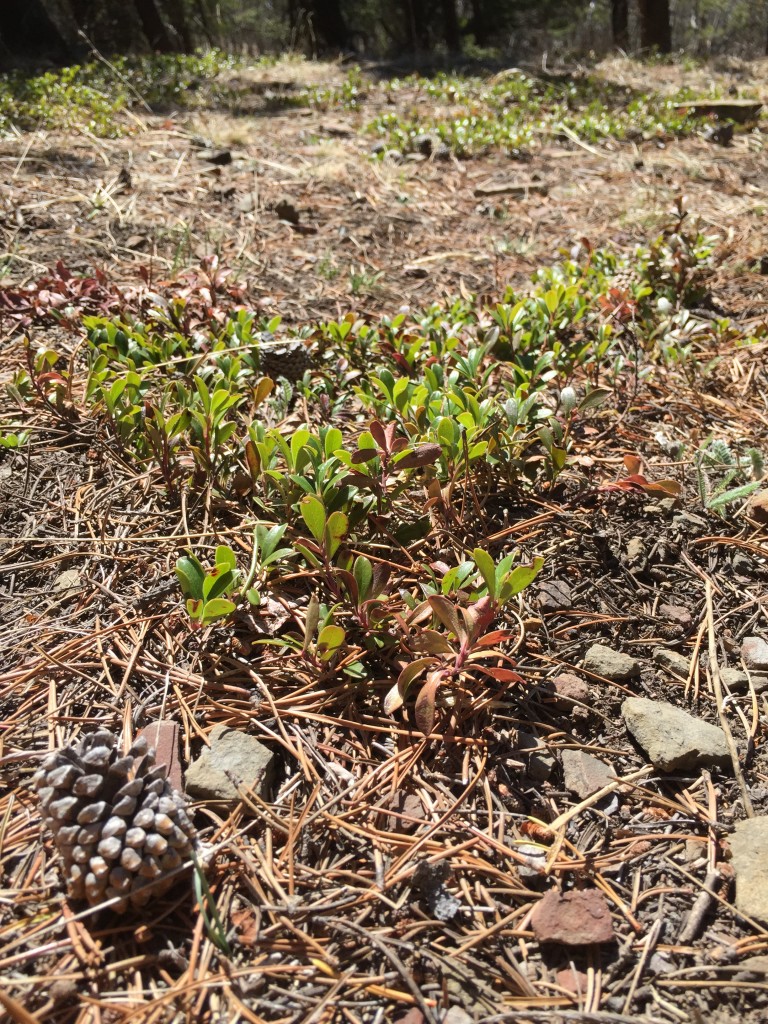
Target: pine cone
[625,281]
[288,359]
[116,821]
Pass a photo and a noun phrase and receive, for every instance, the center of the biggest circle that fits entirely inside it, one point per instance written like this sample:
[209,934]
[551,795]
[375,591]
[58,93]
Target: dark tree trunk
[26,31]
[329,25]
[478,24]
[153,27]
[620,23]
[418,25]
[204,16]
[655,30]
[451,32]
[178,19]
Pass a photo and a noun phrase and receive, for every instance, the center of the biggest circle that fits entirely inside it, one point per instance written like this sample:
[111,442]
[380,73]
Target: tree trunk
[655,30]
[153,27]
[204,17]
[451,32]
[178,19]
[328,21]
[418,26]
[620,24]
[26,31]
[478,23]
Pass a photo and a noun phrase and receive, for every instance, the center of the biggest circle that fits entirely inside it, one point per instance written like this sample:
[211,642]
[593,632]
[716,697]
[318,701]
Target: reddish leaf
[424,709]
[424,455]
[501,675]
[669,488]
[363,455]
[446,612]
[495,637]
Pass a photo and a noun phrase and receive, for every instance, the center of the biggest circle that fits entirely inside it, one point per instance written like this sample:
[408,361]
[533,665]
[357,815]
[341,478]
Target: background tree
[655,27]
[26,30]
[328,23]
[620,24]
[154,28]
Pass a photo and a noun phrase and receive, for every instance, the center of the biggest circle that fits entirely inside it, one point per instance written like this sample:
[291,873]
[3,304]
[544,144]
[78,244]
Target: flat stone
[572,918]
[671,660]
[568,689]
[734,679]
[573,980]
[584,774]
[457,1015]
[540,762]
[676,613]
[752,968]
[673,739]
[234,761]
[554,596]
[635,550]
[163,737]
[754,653]
[614,665]
[749,853]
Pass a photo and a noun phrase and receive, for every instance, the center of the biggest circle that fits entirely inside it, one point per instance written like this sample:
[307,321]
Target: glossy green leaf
[313,513]
[217,582]
[225,557]
[218,608]
[520,578]
[487,569]
[335,532]
[191,575]
[363,573]
[329,641]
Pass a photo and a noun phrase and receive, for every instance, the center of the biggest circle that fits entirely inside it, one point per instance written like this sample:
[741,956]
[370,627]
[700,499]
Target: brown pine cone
[118,824]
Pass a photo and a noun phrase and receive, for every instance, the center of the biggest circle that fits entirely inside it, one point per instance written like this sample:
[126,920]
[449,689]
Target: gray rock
[534,861]
[540,761]
[754,653]
[635,550]
[749,849]
[742,563]
[610,664]
[233,761]
[584,774]
[673,739]
[734,679]
[671,660]
[554,595]
[752,968]
[457,1015]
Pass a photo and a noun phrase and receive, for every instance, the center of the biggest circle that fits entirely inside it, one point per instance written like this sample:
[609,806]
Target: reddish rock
[572,981]
[757,506]
[569,688]
[573,918]
[585,774]
[164,737]
[676,613]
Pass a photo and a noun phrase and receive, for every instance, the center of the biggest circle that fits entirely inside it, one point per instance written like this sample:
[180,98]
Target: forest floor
[385,875]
